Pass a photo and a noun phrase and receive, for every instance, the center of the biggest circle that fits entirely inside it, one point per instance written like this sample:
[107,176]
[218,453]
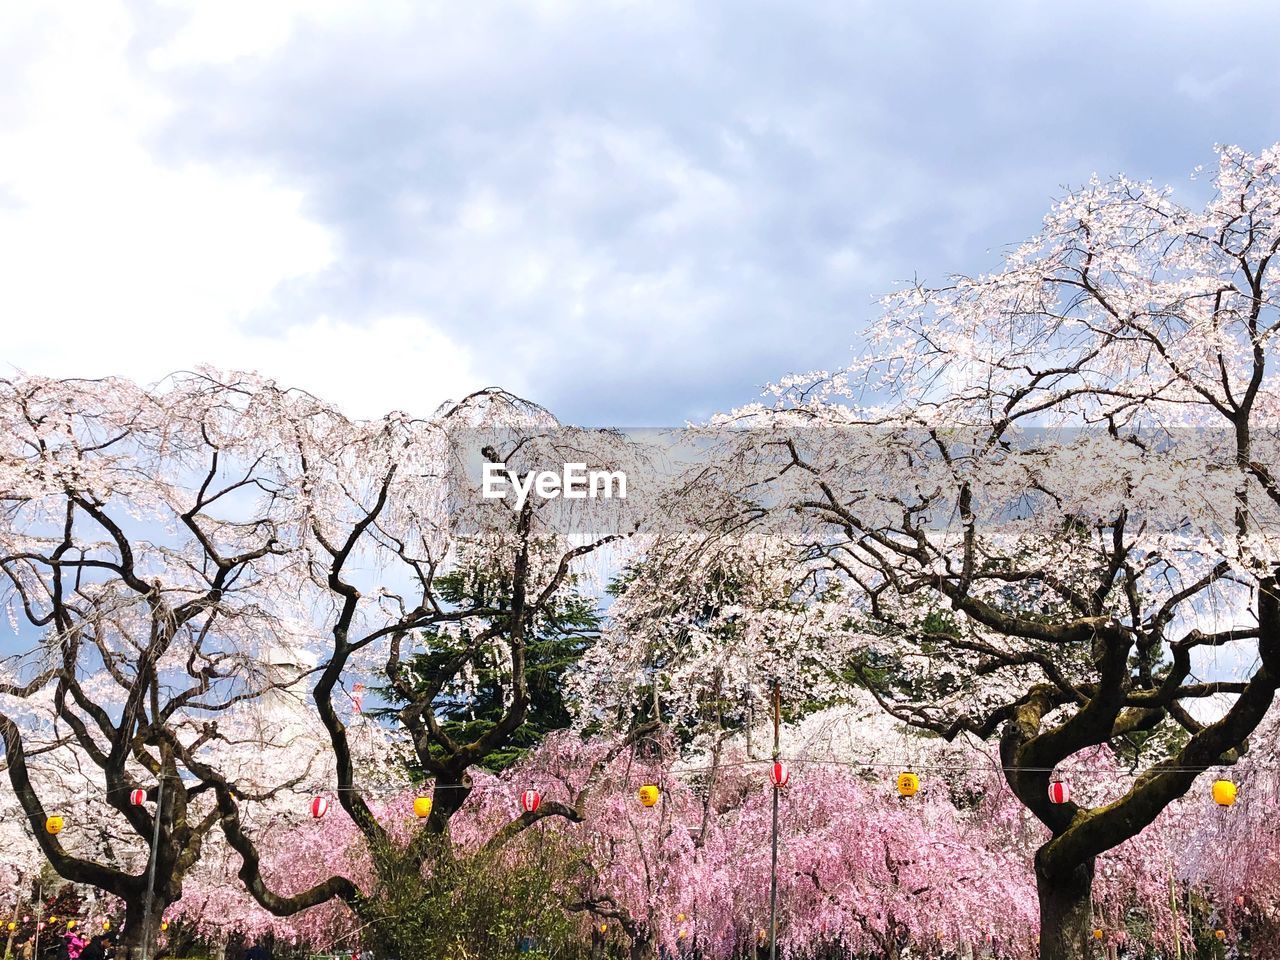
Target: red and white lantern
[1059,792]
[530,800]
[319,807]
[137,797]
[779,774]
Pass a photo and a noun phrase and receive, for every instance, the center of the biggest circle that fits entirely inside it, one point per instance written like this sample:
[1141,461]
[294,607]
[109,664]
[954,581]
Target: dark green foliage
[560,635]
[505,905]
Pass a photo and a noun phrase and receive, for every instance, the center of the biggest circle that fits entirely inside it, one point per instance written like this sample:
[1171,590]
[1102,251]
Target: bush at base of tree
[484,906]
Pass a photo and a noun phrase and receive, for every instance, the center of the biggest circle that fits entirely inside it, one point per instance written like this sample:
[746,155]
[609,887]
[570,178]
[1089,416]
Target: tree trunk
[641,949]
[133,935]
[450,793]
[1066,913]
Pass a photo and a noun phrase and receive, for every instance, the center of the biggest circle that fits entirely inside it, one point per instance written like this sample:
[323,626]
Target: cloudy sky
[635,213]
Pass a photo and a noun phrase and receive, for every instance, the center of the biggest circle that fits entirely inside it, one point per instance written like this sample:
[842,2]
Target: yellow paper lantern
[71,924]
[12,925]
[683,933]
[164,924]
[679,918]
[1097,934]
[1224,793]
[908,784]
[1220,934]
[106,924]
[649,794]
[54,825]
[604,928]
[422,807]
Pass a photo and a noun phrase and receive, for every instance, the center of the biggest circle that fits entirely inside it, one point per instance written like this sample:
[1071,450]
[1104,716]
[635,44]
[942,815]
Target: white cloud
[1207,89]
[115,263]
[218,33]
[393,363]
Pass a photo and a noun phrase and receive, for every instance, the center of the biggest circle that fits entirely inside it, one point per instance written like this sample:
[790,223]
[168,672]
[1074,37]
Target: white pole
[39,916]
[149,900]
[773,867]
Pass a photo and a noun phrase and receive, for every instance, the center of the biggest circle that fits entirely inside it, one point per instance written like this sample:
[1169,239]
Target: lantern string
[871,768]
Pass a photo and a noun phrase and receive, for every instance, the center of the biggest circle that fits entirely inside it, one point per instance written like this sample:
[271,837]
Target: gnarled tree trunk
[641,948]
[1066,912]
[136,925]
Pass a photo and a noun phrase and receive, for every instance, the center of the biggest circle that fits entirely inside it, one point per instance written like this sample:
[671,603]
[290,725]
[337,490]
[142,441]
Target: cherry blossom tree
[1041,511]
[423,587]
[945,873]
[144,551]
[1156,322]
[161,547]
[297,851]
[701,632]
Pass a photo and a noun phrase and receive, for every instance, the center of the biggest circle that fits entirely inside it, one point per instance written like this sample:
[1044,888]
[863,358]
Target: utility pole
[39,916]
[149,900]
[773,870]
[17,908]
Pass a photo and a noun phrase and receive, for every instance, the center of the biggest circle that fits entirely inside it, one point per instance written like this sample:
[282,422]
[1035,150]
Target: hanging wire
[870,766]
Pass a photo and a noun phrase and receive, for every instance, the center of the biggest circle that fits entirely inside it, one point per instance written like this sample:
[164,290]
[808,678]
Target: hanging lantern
[71,924]
[1059,792]
[422,807]
[319,807]
[908,784]
[1097,933]
[649,795]
[106,924]
[1224,793]
[530,800]
[679,918]
[779,774]
[164,924]
[137,797]
[1220,934]
[54,825]
[12,926]
[604,928]
[683,934]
